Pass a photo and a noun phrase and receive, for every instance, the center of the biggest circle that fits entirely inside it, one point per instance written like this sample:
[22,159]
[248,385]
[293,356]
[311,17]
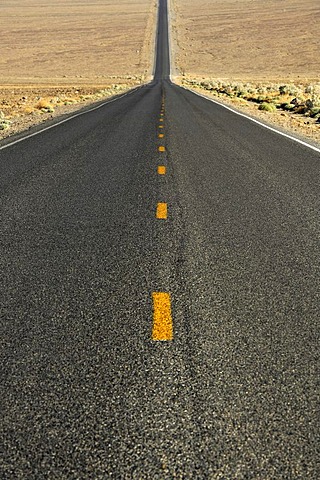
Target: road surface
[220,246]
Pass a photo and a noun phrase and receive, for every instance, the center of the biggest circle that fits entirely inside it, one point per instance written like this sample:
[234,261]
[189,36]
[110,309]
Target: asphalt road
[86,393]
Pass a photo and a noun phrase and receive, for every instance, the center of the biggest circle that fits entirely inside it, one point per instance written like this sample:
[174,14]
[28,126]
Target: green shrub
[47,110]
[267,107]
[4,124]
[287,106]
[314,112]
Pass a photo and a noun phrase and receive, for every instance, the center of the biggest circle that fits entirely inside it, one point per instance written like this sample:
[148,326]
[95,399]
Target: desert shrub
[47,110]
[309,103]
[316,100]
[283,89]
[252,99]
[302,109]
[294,90]
[242,93]
[42,104]
[314,112]
[4,124]
[287,106]
[267,107]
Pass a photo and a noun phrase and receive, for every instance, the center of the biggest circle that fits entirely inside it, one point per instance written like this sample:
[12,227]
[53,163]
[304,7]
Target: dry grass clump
[44,106]
[267,107]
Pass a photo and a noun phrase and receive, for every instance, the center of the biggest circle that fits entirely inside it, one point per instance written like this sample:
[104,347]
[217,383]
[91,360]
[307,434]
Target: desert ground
[248,39]
[259,56]
[65,42]
[57,56]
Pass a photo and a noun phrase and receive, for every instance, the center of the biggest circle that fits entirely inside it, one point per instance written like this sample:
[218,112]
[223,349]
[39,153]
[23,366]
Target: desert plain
[55,55]
[249,52]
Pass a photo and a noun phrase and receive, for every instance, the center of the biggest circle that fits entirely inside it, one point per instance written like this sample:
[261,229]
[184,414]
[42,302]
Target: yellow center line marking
[162,211]
[162,149]
[161,135]
[160,126]
[161,119]
[162,329]
[161,114]
[161,170]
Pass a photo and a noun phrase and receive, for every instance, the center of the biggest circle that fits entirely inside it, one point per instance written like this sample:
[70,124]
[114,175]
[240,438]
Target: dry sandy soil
[66,41]
[248,39]
[59,55]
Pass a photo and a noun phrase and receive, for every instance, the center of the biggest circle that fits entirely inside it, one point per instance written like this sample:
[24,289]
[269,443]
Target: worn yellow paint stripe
[161,170]
[162,211]
[162,149]
[160,126]
[161,135]
[160,119]
[162,329]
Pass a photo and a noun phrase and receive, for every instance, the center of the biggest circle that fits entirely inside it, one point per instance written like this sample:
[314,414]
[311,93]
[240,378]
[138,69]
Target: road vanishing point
[160,293]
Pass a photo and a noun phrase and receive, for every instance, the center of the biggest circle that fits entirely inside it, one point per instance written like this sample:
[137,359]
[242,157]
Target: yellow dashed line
[162,319]
[162,329]
[162,211]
